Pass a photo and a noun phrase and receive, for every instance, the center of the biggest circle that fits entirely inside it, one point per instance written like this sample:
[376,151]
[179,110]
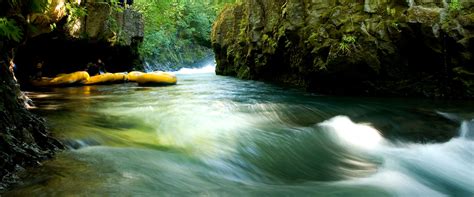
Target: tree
[178,31]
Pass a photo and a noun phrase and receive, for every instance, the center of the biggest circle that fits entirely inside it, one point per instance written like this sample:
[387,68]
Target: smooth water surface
[219,136]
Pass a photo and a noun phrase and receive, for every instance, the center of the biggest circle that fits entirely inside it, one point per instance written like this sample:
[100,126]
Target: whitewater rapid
[219,136]
[410,169]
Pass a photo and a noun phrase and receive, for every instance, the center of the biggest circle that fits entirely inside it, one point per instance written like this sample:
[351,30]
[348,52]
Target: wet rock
[24,139]
[372,6]
[419,14]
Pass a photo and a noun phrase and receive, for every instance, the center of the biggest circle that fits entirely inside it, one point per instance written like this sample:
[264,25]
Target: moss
[269,44]
[244,73]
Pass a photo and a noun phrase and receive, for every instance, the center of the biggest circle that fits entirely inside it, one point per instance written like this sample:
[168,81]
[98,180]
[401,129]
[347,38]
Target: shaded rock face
[104,23]
[24,140]
[371,47]
[64,55]
[104,33]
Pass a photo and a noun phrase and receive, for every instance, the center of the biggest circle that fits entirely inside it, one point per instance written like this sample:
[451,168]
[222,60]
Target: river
[219,136]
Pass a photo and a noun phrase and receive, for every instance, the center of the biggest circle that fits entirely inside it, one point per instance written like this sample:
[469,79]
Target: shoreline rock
[24,139]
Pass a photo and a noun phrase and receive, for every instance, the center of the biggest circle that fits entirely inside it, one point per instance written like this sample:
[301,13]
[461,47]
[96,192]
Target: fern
[344,47]
[9,30]
[348,39]
[75,11]
[347,42]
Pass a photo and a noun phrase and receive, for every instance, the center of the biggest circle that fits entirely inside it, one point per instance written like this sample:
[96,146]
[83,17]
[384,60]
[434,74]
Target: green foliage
[243,25]
[344,47]
[75,11]
[177,30]
[9,30]
[53,26]
[391,11]
[347,42]
[448,20]
[454,5]
[312,39]
[348,39]
[269,43]
[115,5]
[114,27]
[395,24]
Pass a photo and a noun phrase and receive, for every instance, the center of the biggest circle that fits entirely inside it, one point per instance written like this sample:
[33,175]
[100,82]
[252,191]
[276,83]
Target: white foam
[446,164]
[395,183]
[467,129]
[348,132]
[205,69]
[440,169]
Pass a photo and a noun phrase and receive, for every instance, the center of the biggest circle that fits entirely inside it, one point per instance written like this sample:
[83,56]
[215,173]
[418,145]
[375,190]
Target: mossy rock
[304,46]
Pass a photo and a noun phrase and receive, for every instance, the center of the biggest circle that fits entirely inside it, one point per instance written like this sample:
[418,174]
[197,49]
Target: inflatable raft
[156,79]
[120,77]
[63,79]
[107,78]
[132,76]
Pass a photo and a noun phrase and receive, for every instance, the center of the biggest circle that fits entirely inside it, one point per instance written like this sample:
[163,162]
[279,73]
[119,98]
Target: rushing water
[217,136]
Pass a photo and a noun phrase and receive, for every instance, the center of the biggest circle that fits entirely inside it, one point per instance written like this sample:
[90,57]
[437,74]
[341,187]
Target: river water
[220,136]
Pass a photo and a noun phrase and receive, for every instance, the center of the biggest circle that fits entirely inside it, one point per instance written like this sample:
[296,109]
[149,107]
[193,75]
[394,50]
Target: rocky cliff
[103,22]
[71,35]
[94,20]
[371,47]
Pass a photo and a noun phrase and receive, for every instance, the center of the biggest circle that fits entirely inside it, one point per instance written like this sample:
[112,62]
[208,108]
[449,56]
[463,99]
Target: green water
[219,136]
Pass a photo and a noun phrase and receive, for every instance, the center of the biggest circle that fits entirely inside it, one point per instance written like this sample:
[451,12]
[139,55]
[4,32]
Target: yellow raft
[120,77]
[144,79]
[63,79]
[133,76]
[156,79]
[107,78]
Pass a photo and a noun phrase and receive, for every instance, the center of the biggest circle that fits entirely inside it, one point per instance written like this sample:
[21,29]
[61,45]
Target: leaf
[10,30]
